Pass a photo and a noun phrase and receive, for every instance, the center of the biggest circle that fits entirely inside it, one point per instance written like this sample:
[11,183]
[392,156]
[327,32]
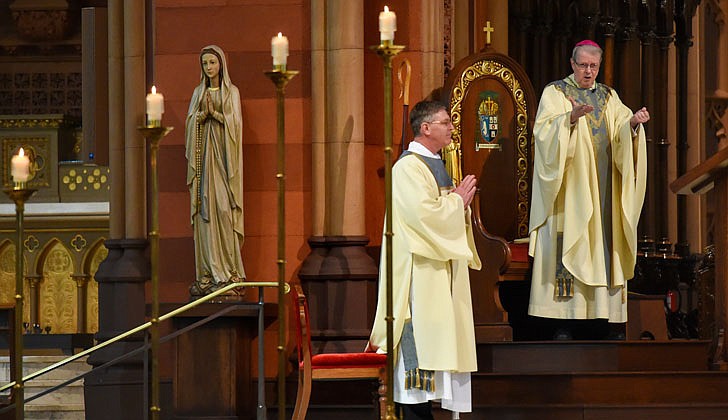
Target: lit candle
[155,108]
[387,24]
[279,49]
[20,167]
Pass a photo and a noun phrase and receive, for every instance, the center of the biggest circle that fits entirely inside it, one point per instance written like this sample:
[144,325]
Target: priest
[588,188]
[432,250]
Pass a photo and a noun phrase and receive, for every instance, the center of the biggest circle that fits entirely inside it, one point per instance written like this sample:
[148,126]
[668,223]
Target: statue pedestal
[212,375]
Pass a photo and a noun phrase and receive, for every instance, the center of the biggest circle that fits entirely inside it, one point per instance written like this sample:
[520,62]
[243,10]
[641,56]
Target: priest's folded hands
[466,189]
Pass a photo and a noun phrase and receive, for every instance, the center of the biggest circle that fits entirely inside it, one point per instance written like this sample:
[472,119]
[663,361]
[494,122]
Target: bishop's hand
[639,117]
[578,110]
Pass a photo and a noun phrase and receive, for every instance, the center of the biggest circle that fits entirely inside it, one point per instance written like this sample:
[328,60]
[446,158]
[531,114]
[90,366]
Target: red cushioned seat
[519,252]
[348,360]
[329,366]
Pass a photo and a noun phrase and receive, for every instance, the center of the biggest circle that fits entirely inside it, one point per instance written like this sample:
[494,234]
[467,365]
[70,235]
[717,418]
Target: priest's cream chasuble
[433,248]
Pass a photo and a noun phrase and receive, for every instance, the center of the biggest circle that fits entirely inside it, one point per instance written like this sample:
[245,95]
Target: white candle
[20,167]
[155,106]
[279,49]
[387,25]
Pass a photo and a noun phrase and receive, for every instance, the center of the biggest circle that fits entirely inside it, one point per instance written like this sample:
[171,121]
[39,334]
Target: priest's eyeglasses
[585,66]
[445,122]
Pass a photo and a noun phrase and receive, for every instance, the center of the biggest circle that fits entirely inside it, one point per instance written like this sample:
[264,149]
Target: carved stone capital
[80,279]
[33,280]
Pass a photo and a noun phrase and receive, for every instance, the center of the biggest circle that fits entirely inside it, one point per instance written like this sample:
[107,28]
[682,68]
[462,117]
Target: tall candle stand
[154,133]
[386,50]
[280,77]
[19,194]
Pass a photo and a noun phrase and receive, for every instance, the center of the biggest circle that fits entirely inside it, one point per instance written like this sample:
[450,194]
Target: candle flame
[21,152]
[280,35]
[154,89]
[386,9]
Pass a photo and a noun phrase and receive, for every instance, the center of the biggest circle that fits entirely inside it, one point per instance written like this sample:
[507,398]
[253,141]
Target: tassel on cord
[420,379]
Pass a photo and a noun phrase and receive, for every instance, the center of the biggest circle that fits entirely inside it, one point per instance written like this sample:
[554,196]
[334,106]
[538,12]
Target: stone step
[55,412]
[608,389]
[593,356]
[68,395]
[33,364]
[66,403]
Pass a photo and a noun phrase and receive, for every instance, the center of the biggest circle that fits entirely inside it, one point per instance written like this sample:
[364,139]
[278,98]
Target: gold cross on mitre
[488,29]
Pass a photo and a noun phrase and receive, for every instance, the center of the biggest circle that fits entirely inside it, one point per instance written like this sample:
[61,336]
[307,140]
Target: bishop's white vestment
[588,189]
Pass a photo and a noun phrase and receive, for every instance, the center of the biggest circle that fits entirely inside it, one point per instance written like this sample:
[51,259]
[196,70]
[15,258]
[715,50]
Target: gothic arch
[97,253]
[57,291]
[8,279]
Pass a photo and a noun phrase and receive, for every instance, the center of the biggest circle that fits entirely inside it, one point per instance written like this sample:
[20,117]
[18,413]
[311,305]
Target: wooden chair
[330,366]
[492,107]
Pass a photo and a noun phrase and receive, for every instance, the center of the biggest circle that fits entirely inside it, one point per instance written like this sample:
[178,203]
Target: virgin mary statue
[213,140]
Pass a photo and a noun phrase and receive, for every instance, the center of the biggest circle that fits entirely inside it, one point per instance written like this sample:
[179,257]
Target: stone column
[431,29]
[81,301]
[116,117]
[694,154]
[135,164]
[117,392]
[659,117]
[646,34]
[338,270]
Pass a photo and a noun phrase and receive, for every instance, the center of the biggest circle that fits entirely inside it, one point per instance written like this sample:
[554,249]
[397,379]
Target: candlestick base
[387,49]
[19,195]
[154,133]
[280,76]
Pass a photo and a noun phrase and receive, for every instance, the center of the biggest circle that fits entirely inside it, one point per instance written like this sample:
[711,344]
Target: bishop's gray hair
[589,49]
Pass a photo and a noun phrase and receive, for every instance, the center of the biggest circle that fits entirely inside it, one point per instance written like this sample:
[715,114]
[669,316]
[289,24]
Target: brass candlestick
[386,50]
[280,77]
[19,194]
[154,133]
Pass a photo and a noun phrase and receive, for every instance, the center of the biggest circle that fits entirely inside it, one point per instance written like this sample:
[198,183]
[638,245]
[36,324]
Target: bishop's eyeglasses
[584,66]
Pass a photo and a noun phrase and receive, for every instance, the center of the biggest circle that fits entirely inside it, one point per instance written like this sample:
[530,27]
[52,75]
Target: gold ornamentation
[58,260]
[491,68]
[26,122]
[38,151]
[78,141]
[58,292]
[7,274]
[92,289]
[488,107]
[86,178]
[7,278]
[78,242]
[31,243]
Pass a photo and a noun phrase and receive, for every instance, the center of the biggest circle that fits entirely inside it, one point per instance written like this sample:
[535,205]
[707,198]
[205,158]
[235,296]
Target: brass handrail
[144,326]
